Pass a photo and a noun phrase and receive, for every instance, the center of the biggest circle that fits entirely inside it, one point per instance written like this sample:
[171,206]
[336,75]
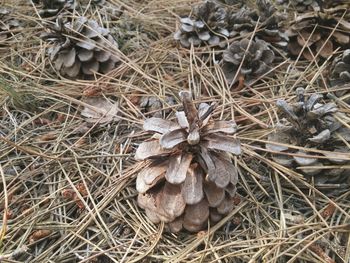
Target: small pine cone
[257,60]
[207,27]
[190,178]
[51,8]
[82,48]
[313,30]
[300,5]
[154,105]
[311,124]
[7,25]
[245,21]
[341,69]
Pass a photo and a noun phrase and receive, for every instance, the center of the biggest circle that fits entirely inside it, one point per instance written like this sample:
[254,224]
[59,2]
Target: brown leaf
[223,143]
[214,194]
[321,253]
[159,125]
[192,188]
[100,110]
[150,149]
[39,234]
[172,201]
[196,216]
[170,139]
[328,211]
[177,169]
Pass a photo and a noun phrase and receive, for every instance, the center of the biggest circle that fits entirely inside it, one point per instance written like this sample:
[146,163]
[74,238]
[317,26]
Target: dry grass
[47,149]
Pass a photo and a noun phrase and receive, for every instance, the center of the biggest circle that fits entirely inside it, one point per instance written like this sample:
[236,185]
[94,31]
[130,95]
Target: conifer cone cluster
[190,177]
[82,48]
[314,32]
[314,125]
[256,57]
[7,25]
[207,26]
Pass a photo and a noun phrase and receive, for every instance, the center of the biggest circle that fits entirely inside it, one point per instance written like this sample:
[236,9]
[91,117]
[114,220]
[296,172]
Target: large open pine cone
[257,60]
[312,124]
[207,26]
[190,177]
[7,25]
[313,30]
[82,47]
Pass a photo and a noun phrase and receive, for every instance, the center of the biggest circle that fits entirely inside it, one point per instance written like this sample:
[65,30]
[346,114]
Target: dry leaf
[39,234]
[100,110]
[328,211]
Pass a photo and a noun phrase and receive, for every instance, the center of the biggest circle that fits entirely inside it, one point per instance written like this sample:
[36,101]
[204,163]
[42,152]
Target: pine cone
[208,26]
[245,21]
[81,48]
[7,25]
[190,177]
[312,30]
[256,62]
[53,7]
[312,124]
[341,69]
[300,5]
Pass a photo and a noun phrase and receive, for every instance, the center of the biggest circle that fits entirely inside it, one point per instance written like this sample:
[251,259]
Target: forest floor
[67,191]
